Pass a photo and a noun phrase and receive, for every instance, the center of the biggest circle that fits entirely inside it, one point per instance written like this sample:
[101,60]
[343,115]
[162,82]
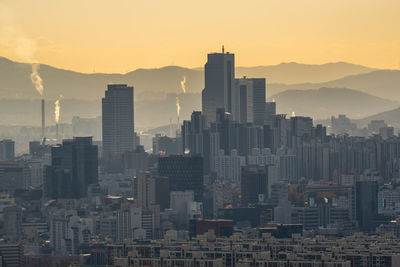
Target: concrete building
[118,119]
[7,150]
[229,167]
[12,254]
[250,95]
[219,78]
[152,190]
[367,204]
[73,168]
[11,176]
[12,224]
[254,185]
[184,173]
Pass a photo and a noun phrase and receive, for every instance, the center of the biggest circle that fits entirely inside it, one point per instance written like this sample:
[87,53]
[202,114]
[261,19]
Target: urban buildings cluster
[238,185]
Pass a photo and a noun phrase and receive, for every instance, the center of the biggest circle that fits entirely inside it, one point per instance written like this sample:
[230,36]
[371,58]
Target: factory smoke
[36,79]
[183,84]
[57,109]
[178,107]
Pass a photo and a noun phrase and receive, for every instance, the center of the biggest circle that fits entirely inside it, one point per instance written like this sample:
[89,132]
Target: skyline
[132,35]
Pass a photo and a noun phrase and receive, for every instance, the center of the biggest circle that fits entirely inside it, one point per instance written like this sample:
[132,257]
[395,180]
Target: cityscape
[286,165]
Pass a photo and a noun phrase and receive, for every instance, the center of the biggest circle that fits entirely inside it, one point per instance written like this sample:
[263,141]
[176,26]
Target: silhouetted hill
[390,117]
[325,102]
[15,81]
[151,83]
[381,83]
[292,72]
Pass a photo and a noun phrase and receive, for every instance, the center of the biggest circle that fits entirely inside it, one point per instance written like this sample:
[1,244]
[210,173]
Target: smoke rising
[12,37]
[178,107]
[183,84]
[36,79]
[57,109]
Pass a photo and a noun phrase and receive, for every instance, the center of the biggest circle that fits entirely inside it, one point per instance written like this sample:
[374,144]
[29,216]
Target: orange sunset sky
[122,35]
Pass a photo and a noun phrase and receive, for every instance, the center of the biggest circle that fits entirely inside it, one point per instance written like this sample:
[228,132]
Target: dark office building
[7,151]
[167,145]
[281,230]
[367,205]
[12,254]
[184,173]
[197,139]
[219,77]
[135,161]
[254,184]
[73,168]
[118,119]
[270,109]
[38,150]
[220,227]
[11,176]
[250,100]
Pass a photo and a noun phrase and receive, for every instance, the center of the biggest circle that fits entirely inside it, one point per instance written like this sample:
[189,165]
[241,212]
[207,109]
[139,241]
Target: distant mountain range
[325,102]
[293,73]
[150,83]
[390,117]
[15,81]
[156,89]
[381,83]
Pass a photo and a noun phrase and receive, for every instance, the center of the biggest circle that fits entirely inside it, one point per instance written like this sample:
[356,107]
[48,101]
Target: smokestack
[43,119]
[57,131]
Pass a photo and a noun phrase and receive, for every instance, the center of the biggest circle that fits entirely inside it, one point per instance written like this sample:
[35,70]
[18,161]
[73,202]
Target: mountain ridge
[148,83]
[324,102]
[381,83]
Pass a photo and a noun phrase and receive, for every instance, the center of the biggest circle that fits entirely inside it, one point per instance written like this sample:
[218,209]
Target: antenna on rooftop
[223,49]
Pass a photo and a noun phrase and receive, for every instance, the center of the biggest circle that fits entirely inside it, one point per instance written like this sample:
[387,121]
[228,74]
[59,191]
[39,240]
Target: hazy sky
[121,35]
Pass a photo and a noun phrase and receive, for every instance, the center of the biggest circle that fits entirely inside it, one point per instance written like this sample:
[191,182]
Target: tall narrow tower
[118,119]
[219,77]
[43,119]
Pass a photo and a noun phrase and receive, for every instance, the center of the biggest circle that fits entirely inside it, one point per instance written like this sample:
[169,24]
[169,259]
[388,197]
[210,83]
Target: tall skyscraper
[196,138]
[219,77]
[367,204]
[118,119]
[74,166]
[7,149]
[249,96]
[184,173]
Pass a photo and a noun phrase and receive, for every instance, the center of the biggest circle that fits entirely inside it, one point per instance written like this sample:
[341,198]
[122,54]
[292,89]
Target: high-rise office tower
[197,138]
[254,184]
[118,119]
[249,96]
[219,77]
[7,149]
[74,166]
[184,173]
[367,204]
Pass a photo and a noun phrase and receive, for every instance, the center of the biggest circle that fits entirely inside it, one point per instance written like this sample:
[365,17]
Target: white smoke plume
[293,114]
[36,79]
[183,84]
[178,107]
[57,109]
[14,39]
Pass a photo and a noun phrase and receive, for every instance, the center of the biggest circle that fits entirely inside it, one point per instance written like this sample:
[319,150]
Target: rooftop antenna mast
[223,49]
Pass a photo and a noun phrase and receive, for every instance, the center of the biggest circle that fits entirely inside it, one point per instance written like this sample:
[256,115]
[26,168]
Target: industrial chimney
[43,119]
